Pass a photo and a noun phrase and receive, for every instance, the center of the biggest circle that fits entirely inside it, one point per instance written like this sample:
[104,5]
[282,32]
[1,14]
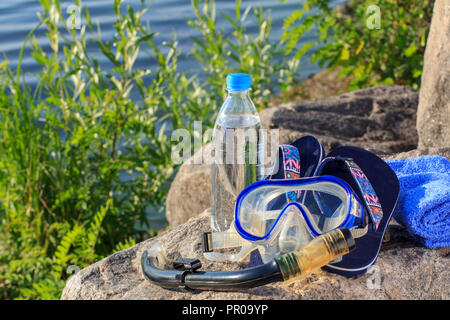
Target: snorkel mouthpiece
[317,253]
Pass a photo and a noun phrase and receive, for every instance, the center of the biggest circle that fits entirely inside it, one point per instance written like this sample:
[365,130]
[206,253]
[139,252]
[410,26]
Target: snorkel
[288,267]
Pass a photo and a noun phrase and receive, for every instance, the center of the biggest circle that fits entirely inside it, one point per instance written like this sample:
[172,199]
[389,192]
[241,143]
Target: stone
[326,83]
[404,270]
[443,152]
[381,119]
[190,191]
[433,114]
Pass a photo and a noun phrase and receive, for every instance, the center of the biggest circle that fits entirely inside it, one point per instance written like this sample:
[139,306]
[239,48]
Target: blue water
[19,17]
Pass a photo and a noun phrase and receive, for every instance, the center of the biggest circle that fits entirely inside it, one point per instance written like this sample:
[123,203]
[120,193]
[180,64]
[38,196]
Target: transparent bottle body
[237,152]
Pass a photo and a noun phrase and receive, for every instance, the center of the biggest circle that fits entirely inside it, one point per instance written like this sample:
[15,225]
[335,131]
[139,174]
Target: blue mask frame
[349,221]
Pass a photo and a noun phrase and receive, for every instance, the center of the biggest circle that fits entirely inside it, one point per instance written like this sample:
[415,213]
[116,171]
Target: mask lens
[326,210]
[261,211]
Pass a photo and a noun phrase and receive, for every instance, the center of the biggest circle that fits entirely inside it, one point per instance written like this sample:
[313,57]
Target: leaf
[238,9]
[359,71]
[290,20]
[417,73]
[233,23]
[145,38]
[410,50]
[388,80]
[106,50]
[305,48]
[4,64]
[95,227]
[361,46]
[306,6]
[63,248]
[88,18]
[40,58]
[345,55]
[423,38]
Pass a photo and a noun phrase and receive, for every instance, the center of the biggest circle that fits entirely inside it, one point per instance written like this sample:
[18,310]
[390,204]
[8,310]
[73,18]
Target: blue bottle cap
[238,81]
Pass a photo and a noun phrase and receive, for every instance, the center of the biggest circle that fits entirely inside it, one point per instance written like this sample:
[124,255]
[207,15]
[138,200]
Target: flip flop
[297,160]
[377,186]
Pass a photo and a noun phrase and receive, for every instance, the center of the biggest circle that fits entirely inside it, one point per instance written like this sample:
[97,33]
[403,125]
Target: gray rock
[380,118]
[433,114]
[404,270]
[443,152]
[190,191]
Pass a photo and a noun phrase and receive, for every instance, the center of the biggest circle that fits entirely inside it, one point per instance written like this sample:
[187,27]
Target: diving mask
[281,216]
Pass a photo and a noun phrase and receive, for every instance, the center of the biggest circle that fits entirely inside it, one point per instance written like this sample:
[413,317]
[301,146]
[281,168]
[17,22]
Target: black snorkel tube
[187,278]
[288,267]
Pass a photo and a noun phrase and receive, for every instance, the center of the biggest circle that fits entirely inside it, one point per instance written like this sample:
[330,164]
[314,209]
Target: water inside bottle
[238,150]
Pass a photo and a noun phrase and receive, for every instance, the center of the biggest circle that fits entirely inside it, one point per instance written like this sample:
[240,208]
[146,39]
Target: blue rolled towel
[424,201]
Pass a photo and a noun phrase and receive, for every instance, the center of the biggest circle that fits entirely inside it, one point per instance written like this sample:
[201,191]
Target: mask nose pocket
[294,233]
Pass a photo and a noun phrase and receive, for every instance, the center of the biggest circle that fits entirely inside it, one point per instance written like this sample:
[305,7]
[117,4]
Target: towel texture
[424,201]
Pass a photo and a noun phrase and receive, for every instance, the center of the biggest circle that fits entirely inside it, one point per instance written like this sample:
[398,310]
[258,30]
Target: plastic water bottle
[237,150]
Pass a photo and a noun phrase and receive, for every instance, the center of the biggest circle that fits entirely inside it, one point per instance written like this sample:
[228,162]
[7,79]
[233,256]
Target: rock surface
[326,83]
[443,152]
[405,269]
[190,191]
[380,118]
[433,114]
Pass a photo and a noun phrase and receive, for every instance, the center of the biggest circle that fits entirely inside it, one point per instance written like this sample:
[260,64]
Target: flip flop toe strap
[369,196]
[291,166]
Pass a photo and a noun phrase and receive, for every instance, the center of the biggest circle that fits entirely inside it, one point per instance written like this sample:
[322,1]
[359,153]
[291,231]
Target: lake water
[18,18]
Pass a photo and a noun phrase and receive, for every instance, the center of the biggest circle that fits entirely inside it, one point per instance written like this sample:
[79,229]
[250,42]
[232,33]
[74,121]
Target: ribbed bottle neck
[239,93]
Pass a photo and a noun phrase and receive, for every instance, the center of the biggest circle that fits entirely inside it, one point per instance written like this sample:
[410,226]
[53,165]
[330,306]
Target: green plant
[81,161]
[220,54]
[347,39]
